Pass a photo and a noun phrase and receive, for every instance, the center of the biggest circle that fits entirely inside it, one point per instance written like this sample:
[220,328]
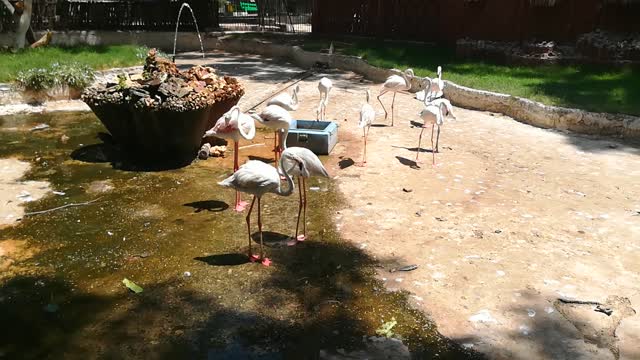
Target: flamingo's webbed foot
[240,206]
[266,261]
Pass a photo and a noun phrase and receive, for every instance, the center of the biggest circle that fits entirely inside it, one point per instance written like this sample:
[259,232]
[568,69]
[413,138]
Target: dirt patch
[598,322]
[12,252]
[15,193]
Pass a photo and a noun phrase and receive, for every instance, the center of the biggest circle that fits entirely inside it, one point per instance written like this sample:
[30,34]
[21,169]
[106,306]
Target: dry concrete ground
[511,220]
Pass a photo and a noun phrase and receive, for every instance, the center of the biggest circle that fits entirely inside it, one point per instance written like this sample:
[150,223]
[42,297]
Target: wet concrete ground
[173,233]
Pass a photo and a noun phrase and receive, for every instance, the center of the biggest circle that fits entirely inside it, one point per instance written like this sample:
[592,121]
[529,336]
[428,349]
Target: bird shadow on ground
[260,158]
[271,239]
[380,125]
[413,149]
[406,162]
[230,259]
[416,124]
[345,163]
[208,205]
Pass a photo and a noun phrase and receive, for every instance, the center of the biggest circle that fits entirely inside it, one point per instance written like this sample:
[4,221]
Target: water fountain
[159,116]
[175,34]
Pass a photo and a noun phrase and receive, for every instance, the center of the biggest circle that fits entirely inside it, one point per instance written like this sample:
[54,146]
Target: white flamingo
[303,164]
[286,101]
[434,115]
[234,125]
[395,84]
[437,86]
[257,178]
[324,86]
[367,115]
[279,119]
[446,111]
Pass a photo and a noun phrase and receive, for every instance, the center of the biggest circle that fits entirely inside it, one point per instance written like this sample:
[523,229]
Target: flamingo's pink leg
[252,257]
[295,239]
[240,205]
[303,237]
[265,261]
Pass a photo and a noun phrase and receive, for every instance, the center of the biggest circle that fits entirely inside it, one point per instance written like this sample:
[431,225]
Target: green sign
[246,6]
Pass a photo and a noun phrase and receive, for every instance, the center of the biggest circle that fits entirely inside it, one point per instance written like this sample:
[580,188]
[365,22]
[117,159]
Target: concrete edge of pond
[521,109]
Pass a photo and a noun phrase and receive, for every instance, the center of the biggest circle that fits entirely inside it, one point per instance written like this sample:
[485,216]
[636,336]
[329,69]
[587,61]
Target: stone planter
[164,137]
[158,117]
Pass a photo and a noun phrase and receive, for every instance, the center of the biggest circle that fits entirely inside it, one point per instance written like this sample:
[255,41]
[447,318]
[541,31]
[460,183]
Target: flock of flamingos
[258,178]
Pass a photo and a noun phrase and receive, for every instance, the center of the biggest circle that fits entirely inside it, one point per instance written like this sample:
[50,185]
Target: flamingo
[367,115]
[257,178]
[395,83]
[234,125]
[434,115]
[302,163]
[324,86]
[446,111]
[279,119]
[437,86]
[286,101]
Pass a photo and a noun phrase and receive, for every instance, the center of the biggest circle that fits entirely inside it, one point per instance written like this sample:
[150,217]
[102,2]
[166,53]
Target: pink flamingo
[257,178]
[395,84]
[367,115]
[232,126]
[302,163]
[279,119]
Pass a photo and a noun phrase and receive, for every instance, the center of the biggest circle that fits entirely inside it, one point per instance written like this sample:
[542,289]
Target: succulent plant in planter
[161,114]
[55,81]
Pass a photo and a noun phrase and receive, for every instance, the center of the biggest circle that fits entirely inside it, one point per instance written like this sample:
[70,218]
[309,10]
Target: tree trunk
[23,24]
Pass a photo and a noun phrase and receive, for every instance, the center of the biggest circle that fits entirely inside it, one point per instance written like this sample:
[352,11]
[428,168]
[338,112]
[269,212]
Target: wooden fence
[449,20]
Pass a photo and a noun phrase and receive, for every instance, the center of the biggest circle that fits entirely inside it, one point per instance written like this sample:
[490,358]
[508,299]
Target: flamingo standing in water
[395,84]
[279,119]
[367,115]
[257,178]
[303,164]
[234,125]
[286,101]
[324,86]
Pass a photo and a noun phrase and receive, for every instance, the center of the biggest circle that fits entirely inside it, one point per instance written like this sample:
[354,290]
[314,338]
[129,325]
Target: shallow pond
[172,232]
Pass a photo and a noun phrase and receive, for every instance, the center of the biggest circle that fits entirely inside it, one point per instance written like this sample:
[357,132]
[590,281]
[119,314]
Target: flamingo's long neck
[427,91]
[407,81]
[290,186]
[283,139]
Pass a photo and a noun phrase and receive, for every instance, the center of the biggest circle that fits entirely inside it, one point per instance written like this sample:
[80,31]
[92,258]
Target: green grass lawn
[593,88]
[98,57]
